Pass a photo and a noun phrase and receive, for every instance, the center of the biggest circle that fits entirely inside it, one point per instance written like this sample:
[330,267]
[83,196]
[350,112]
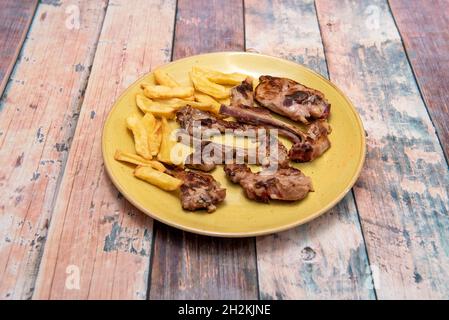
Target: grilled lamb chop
[314,144]
[243,94]
[291,99]
[187,116]
[199,190]
[306,146]
[288,184]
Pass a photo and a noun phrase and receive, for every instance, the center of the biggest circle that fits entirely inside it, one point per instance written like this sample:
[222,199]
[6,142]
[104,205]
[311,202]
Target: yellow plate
[333,174]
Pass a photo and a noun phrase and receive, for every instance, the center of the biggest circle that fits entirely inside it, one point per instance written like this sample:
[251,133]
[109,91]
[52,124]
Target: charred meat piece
[189,117]
[291,99]
[199,190]
[265,155]
[314,145]
[306,146]
[259,117]
[288,184]
[243,94]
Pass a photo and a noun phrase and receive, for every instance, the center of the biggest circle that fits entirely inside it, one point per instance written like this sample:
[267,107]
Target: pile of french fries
[153,133]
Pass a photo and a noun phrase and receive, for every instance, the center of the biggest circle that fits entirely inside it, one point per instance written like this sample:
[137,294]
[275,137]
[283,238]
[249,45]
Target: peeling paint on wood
[326,258]
[15,19]
[402,197]
[29,137]
[423,26]
[91,227]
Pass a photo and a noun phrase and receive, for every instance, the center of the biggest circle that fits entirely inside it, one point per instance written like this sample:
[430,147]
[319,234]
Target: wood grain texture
[326,258]
[39,110]
[402,193]
[94,230]
[188,266]
[423,26]
[15,20]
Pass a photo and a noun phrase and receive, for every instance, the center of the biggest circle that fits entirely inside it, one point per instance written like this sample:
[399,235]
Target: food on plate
[149,106]
[241,110]
[204,98]
[157,178]
[203,84]
[314,143]
[164,92]
[243,93]
[168,142]
[291,99]
[306,146]
[140,134]
[138,160]
[220,77]
[164,79]
[199,190]
[288,184]
[153,127]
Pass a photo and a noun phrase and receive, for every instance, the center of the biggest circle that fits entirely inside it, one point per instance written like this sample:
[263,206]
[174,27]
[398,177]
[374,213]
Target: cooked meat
[314,145]
[243,94]
[189,117]
[287,184]
[199,190]
[291,99]
[306,146]
[258,117]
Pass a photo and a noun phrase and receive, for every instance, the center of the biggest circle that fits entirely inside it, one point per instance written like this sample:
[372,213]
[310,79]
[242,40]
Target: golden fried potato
[164,79]
[201,97]
[156,108]
[167,143]
[226,101]
[157,178]
[140,136]
[154,135]
[164,92]
[201,83]
[231,79]
[138,160]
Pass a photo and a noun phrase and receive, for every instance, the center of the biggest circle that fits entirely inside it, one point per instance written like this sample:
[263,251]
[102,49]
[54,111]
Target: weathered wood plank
[325,258]
[94,230]
[423,26]
[188,266]
[38,114]
[402,194]
[15,20]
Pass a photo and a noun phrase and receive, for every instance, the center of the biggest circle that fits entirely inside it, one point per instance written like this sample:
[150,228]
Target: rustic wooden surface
[60,216]
[325,258]
[93,227]
[402,193]
[39,111]
[188,266]
[15,19]
[424,30]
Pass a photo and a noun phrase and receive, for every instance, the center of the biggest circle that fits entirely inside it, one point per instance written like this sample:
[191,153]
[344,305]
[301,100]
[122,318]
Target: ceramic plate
[333,174]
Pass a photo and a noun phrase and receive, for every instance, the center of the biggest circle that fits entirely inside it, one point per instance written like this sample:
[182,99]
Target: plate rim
[267,231]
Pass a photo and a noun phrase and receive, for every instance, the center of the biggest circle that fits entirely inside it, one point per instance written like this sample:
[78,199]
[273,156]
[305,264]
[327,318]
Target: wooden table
[66,232]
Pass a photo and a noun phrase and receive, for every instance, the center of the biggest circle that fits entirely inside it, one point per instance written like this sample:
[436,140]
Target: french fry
[201,97]
[138,160]
[201,83]
[164,79]
[164,92]
[153,130]
[156,108]
[167,142]
[140,136]
[157,178]
[220,77]
[226,101]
